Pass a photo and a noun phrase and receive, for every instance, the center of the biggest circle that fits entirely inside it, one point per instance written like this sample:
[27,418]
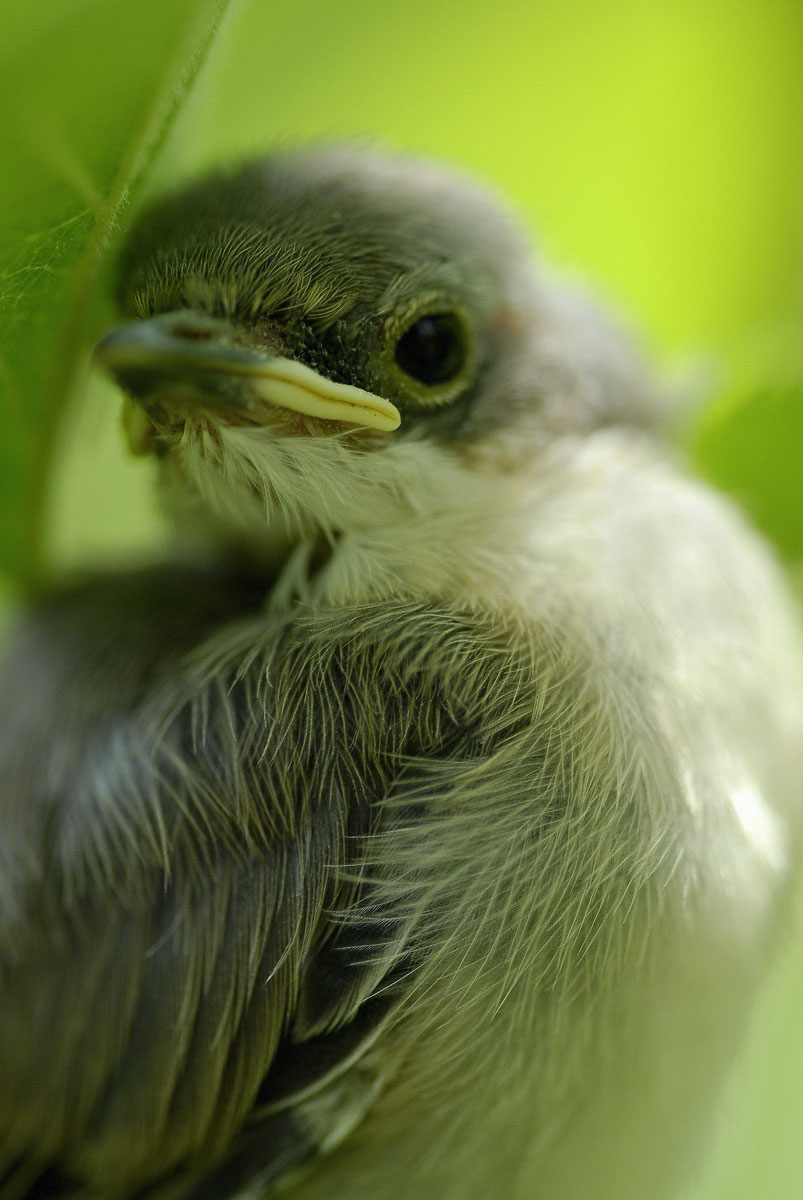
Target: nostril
[194,327]
[191,334]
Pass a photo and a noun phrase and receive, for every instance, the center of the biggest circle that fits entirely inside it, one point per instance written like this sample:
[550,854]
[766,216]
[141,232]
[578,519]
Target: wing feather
[176,878]
[197,958]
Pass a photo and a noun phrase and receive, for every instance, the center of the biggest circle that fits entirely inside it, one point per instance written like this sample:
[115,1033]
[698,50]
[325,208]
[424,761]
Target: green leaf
[90,91]
[750,444]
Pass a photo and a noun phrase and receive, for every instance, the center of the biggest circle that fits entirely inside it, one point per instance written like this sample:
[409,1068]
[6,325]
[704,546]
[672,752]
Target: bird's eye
[433,350]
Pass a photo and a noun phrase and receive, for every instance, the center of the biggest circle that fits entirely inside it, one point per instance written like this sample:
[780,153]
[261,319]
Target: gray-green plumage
[428,836]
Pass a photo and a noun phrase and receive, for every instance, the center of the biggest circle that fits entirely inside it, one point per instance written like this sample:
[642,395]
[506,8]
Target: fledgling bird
[424,827]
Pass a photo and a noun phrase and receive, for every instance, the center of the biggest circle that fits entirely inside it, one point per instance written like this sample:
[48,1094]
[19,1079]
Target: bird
[424,820]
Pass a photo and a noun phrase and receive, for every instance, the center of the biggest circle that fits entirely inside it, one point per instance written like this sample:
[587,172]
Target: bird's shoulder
[193,970]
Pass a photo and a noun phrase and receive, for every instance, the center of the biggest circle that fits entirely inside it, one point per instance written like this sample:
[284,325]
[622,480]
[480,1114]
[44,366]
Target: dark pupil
[432,350]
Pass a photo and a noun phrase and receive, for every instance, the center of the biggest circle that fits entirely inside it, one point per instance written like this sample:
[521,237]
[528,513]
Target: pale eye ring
[433,350]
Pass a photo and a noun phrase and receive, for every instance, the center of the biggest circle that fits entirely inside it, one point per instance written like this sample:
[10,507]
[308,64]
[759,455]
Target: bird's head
[319,339]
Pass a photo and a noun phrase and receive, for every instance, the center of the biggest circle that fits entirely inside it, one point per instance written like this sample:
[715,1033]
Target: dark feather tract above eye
[421,822]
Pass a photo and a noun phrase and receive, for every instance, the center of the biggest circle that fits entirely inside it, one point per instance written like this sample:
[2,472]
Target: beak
[192,356]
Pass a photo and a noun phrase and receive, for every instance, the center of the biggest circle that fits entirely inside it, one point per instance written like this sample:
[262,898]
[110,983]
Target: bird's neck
[411,520]
[458,550]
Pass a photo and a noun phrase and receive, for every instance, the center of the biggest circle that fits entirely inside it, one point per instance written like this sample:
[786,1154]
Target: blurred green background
[653,150]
